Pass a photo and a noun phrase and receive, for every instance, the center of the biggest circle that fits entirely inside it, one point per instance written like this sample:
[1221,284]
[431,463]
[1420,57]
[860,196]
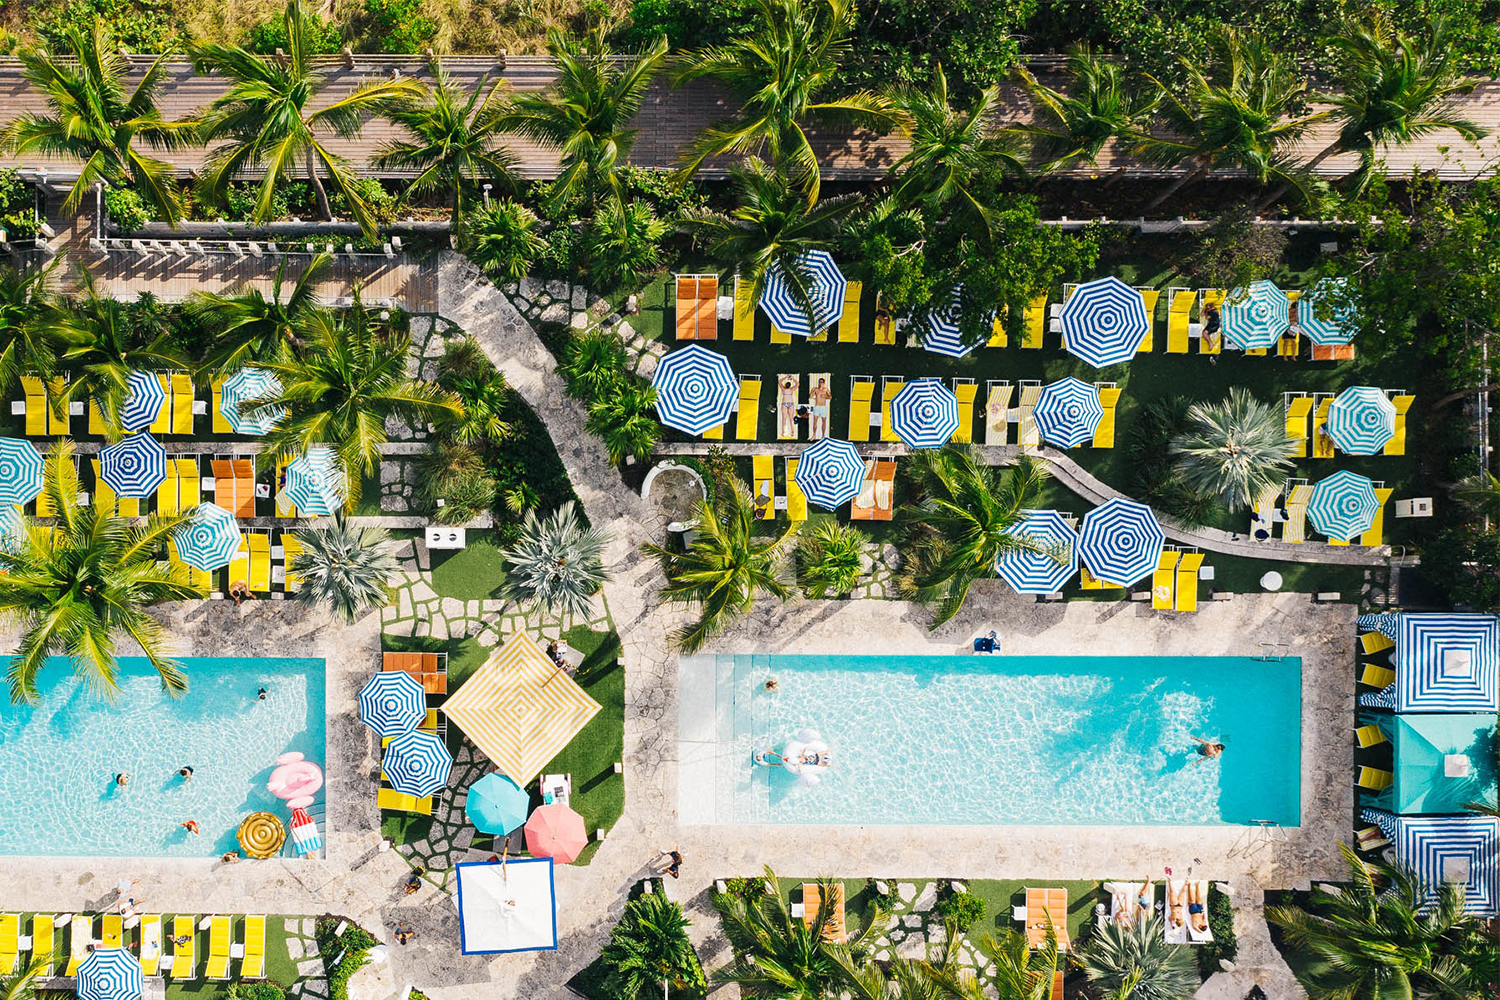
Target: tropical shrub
[593,364]
[466,371]
[345,569]
[830,560]
[623,247]
[126,209]
[1232,449]
[624,419]
[255,991]
[649,953]
[1137,962]
[963,909]
[319,37]
[503,238]
[398,25]
[1225,946]
[555,562]
[459,476]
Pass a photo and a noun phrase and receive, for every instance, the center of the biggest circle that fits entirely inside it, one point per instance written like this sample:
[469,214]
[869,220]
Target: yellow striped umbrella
[520,709]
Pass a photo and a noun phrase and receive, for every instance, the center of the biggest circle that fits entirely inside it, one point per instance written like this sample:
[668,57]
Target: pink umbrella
[556,832]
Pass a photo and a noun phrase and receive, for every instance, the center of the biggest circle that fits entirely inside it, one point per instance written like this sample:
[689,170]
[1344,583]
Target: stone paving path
[302,946]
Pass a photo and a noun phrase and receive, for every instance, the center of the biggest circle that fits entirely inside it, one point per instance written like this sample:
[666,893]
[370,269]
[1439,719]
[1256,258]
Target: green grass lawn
[471,573]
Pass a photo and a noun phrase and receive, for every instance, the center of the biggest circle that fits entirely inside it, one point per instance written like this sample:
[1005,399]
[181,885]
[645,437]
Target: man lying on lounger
[1197,913]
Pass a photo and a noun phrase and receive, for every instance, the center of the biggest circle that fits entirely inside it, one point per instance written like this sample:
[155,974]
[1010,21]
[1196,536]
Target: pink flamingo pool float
[295,779]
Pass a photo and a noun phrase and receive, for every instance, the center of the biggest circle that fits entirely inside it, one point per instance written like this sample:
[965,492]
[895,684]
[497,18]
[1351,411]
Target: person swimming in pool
[1207,749]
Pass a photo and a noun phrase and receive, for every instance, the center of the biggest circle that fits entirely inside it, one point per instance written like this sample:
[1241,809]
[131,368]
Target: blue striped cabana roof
[1444,663]
[1463,849]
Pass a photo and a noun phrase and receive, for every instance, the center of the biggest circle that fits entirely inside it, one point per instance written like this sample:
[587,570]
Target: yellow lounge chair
[820,384]
[849,322]
[42,420]
[1375,536]
[189,483]
[748,417]
[42,946]
[1035,327]
[796,500]
[150,932]
[1375,642]
[253,965]
[1289,344]
[202,579]
[1109,398]
[291,548]
[966,389]
[1180,302]
[97,426]
[1297,406]
[220,933]
[1397,444]
[997,412]
[393,801]
[763,469]
[744,311]
[779,336]
[239,566]
[260,562]
[861,395]
[715,433]
[220,424]
[1377,676]
[168,493]
[104,497]
[183,402]
[112,931]
[10,942]
[786,425]
[1026,430]
[1164,580]
[1322,444]
[1374,779]
[1148,299]
[889,386]
[1187,581]
[999,335]
[1211,343]
[80,936]
[1369,736]
[184,955]
[34,402]
[163,422]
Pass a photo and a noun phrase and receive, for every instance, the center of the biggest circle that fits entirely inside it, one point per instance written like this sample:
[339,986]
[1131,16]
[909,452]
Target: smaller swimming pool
[58,758]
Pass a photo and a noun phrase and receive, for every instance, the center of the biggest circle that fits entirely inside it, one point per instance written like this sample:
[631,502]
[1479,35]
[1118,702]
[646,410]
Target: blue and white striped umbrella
[109,974]
[1462,849]
[1323,316]
[1068,412]
[392,702]
[1361,420]
[244,385]
[417,763]
[1385,624]
[830,472]
[1044,571]
[1120,541]
[943,335]
[1104,322]
[696,389]
[21,471]
[826,288]
[1444,663]
[316,483]
[1343,505]
[209,540]
[144,399]
[924,414]
[134,467]
[1254,317]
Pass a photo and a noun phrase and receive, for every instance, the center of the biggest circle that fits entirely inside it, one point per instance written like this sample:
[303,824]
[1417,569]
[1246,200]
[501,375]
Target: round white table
[1271,581]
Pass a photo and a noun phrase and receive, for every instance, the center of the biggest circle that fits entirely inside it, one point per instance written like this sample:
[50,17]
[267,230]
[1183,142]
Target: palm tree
[585,115]
[727,565]
[467,372]
[503,238]
[950,150]
[1382,934]
[771,224]
[339,392]
[248,326]
[453,140]
[556,563]
[907,979]
[22,984]
[74,586]
[101,343]
[832,559]
[963,521]
[592,364]
[28,322]
[789,58]
[622,419]
[776,956]
[649,949]
[1232,449]
[269,121]
[92,119]
[1394,89]
[1017,972]
[1239,114]
[1481,493]
[345,569]
[1114,957]
[1073,126]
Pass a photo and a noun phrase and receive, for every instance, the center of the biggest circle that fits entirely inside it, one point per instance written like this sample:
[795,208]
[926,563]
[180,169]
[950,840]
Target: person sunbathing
[1196,911]
[1123,906]
[1177,906]
[1144,901]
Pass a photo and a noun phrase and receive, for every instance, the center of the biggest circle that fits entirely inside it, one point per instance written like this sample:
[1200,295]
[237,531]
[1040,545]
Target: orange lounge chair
[1044,906]
[876,499]
[834,929]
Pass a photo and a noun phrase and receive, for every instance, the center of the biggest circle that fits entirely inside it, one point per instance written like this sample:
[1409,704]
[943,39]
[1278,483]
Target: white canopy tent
[507,906]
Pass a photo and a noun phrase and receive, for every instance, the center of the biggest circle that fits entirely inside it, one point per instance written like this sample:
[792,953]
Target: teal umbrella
[496,804]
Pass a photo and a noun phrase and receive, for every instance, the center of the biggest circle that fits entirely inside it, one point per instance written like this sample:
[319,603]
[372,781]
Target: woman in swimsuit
[1177,907]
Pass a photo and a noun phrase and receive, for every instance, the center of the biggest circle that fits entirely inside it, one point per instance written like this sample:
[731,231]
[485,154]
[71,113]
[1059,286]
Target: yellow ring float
[261,835]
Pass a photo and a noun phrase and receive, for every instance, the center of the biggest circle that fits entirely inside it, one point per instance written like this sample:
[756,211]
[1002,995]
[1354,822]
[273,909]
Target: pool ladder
[1269,650]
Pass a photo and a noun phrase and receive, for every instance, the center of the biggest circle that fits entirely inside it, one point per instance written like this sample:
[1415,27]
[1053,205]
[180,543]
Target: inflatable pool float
[805,756]
[261,835]
[295,777]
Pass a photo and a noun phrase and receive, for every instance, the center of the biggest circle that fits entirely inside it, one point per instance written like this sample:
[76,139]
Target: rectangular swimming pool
[994,739]
[59,757]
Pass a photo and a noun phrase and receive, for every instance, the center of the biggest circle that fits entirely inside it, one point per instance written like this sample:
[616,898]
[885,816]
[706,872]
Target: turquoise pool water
[58,758]
[1012,740]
